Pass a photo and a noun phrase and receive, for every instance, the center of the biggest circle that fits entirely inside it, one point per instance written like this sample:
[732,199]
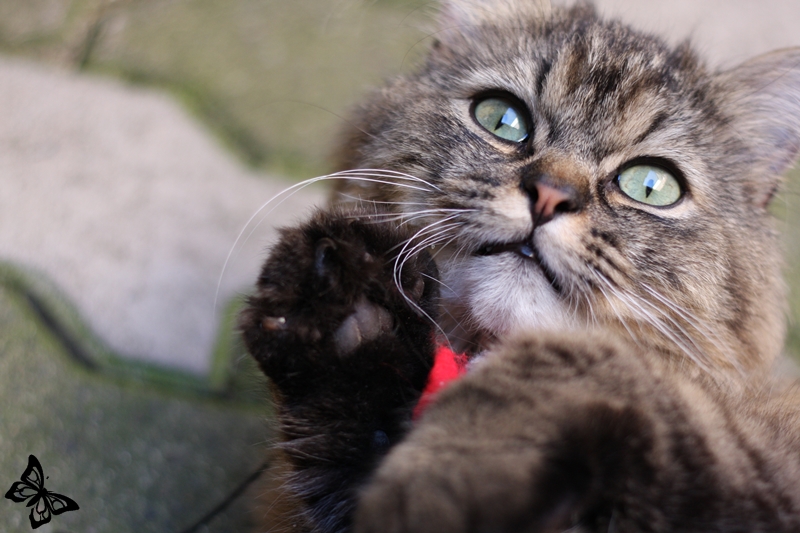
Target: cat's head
[574,172]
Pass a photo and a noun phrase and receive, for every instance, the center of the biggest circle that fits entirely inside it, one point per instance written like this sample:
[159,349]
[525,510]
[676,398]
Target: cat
[583,210]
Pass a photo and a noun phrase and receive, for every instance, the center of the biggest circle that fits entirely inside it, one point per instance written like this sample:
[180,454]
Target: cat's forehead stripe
[586,86]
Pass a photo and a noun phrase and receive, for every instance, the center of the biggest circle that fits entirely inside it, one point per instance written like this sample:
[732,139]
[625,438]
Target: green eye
[650,185]
[502,119]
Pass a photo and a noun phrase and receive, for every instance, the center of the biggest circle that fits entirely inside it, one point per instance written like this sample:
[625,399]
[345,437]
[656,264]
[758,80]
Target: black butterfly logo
[43,503]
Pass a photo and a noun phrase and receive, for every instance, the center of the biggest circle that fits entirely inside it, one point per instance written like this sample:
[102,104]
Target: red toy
[447,366]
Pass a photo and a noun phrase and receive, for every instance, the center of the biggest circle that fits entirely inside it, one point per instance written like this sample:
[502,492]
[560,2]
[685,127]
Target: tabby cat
[583,211]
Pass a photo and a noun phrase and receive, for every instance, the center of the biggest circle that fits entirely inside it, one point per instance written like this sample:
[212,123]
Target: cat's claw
[273,323]
[368,322]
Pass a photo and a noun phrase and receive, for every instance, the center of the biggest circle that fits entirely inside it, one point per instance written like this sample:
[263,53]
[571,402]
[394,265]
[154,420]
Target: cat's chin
[491,295]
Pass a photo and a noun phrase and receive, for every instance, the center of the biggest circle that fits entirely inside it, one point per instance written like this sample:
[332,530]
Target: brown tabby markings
[600,94]
[625,385]
[583,435]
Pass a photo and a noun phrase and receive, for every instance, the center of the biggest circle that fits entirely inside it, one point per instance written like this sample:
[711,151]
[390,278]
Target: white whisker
[408,217]
[610,301]
[671,329]
[433,233]
[693,351]
[695,323]
[691,319]
[368,175]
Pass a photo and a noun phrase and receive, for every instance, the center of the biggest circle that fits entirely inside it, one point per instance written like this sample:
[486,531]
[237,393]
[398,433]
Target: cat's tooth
[526,251]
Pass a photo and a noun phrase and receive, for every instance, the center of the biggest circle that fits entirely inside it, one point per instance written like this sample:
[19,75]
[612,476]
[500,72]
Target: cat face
[576,173]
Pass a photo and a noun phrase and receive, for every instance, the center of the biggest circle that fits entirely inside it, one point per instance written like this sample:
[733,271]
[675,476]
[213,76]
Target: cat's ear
[763,96]
[462,16]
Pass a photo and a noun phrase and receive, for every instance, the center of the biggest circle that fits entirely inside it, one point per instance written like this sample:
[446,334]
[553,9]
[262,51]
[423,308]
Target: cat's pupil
[501,118]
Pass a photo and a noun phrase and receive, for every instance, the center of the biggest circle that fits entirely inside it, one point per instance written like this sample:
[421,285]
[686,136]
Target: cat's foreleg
[579,432]
[346,339]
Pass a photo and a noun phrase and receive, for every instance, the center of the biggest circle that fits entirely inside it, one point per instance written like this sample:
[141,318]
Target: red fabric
[447,366]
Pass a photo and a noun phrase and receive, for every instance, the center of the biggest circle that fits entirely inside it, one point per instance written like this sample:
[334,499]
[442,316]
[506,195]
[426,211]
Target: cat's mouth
[528,251]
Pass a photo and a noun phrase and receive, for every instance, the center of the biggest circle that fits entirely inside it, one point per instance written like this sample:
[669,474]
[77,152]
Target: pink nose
[550,201]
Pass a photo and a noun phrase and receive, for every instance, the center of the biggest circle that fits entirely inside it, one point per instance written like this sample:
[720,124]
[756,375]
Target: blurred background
[270,78]
[137,140]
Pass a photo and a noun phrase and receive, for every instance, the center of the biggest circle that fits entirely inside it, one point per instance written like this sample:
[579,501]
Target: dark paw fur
[347,344]
[328,293]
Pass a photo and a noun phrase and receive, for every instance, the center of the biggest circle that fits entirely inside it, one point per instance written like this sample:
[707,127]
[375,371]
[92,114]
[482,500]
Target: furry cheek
[562,242]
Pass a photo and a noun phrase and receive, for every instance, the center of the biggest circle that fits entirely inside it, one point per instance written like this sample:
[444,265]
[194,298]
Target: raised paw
[333,308]
[346,337]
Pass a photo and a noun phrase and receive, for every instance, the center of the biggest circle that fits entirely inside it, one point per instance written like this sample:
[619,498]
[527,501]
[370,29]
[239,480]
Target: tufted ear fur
[763,96]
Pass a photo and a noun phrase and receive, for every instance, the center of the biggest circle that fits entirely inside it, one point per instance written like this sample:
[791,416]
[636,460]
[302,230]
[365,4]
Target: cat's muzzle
[526,250]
